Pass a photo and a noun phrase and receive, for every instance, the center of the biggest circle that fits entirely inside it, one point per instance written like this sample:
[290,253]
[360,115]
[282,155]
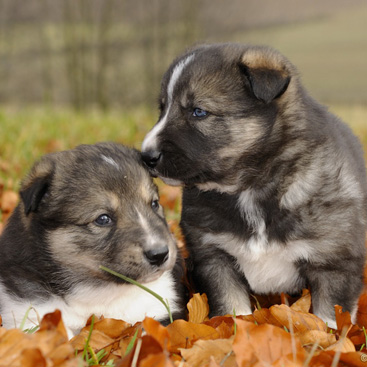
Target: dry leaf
[258,345]
[9,200]
[111,327]
[299,321]
[326,358]
[204,350]
[322,338]
[264,316]
[169,196]
[183,334]
[362,310]
[32,358]
[158,332]
[304,303]
[156,360]
[198,308]
[343,319]
[344,345]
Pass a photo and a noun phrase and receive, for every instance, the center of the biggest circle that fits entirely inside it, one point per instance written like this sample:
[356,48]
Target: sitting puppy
[275,192]
[94,205]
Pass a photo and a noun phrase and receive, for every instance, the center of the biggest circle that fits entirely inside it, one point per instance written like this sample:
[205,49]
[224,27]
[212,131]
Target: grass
[27,134]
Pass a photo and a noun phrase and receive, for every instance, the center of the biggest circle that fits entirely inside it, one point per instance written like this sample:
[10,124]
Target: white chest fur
[269,267]
[125,302]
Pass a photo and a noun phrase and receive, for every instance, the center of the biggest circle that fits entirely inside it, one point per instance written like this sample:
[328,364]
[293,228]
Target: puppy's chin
[152,277]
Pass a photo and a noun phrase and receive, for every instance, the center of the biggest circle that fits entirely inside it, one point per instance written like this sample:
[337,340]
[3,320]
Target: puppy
[274,196]
[94,205]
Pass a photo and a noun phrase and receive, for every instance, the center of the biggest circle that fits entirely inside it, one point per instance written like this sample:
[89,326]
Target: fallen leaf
[256,345]
[156,360]
[343,319]
[198,308]
[9,200]
[170,196]
[344,345]
[183,334]
[326,358]
[304,303]
[128,335]
[362,310]
[158,332]
[264,316]
[322,338]
[298,321]
[203,351]
[32,358]
[111,327]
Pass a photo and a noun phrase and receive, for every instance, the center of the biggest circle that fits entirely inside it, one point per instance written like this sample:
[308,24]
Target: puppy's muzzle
[158,256]
[151,158]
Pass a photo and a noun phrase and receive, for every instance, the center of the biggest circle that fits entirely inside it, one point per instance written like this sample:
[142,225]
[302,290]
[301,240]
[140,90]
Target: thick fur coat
[79,209]
[275,193]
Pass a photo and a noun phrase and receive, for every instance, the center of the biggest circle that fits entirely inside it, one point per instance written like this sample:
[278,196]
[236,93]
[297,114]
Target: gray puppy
[274,195]
[94,205]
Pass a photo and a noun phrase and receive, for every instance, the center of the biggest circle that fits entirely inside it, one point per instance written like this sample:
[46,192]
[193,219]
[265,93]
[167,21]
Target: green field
[29,133]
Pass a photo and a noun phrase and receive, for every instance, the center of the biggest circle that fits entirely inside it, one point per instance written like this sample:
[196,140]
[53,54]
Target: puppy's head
[219,104]
[97,205]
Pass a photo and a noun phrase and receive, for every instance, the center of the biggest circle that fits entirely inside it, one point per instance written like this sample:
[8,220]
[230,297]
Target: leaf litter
[258,341]
[275,334]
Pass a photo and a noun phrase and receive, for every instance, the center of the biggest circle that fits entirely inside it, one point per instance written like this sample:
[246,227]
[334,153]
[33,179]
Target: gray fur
[53,244]
[275,192]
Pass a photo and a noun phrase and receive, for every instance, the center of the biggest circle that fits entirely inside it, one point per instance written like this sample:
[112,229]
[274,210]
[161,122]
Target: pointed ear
[36,185]
[267,74]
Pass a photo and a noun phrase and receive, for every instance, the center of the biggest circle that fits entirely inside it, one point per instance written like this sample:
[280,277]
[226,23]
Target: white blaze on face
[150,141]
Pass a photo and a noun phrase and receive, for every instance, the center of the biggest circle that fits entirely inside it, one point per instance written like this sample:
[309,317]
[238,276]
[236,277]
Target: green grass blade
[134,282]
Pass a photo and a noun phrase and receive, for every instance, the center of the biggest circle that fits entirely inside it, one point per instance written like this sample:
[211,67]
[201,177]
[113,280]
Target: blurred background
[112,53]
[81,71]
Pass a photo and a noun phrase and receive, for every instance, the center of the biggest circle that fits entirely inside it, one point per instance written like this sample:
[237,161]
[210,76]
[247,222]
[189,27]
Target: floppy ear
[266,85]
[267,73]
[35,186]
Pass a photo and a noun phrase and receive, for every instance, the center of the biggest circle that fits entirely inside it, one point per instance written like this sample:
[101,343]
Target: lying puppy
[94,205]
[275,193]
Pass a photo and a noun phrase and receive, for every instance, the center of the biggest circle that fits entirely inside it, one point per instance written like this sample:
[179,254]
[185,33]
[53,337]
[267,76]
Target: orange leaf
[183,334]
[344,345]
[299,321]
[322,338]
[264,316]
[157,331]
[156,360]
[32,358]
[362,310]
[343,319]
[204,351]
[265,344]
[9,200]
[198,308]
[169,196]
[304,303]
[326,358]
[111,327]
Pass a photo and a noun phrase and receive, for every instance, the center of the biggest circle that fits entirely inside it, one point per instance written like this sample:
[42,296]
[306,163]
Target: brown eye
[103,220]
[155,205]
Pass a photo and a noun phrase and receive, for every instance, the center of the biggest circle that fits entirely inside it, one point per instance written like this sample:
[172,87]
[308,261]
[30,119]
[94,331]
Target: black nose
[157,256]
[151,158]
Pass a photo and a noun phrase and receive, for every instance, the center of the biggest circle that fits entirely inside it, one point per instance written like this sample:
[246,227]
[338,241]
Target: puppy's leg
[334,287]
[226,287]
